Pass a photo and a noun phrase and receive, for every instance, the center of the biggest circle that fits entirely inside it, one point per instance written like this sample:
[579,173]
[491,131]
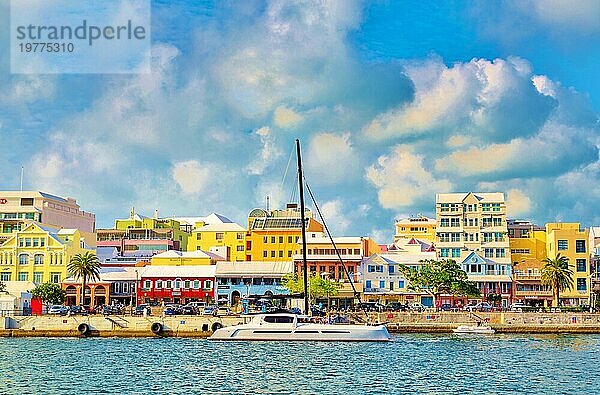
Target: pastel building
[419,227]
[185,258]
[39,253]
[17,208]
[177,284]
[528,250]
[472,229]
[225,239]
[569,240]
[116,285]
[382,276]
[273,235]
[236,280]
[139,232]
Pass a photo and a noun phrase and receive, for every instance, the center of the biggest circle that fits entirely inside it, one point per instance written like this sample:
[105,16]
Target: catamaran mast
[304,264]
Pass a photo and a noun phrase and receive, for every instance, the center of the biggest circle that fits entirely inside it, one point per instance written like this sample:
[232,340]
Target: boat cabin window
[276,319]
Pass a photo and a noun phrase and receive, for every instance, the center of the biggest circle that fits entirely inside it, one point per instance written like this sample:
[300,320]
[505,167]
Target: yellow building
[185,258]
[528,250]
[225,239]
[418,227]
[39,253]
[569,240]
[273,235]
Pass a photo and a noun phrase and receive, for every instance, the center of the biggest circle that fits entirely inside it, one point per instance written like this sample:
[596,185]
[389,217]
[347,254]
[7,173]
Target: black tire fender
[157,328]
[83,329]
[216,326]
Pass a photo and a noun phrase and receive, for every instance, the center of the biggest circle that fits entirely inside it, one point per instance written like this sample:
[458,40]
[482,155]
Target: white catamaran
[293,327]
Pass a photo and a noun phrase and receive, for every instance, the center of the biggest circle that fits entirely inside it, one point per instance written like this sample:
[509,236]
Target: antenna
[267,202]
[22,178]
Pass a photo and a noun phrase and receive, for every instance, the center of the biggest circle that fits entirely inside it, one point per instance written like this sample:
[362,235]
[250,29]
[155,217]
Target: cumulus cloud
[286,117]
[336,216]
[268,153]
[402,181]
[191,176]
[517,203]
[471,98]
[332,158]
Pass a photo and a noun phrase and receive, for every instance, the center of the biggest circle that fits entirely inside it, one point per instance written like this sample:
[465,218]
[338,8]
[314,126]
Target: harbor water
[411,364]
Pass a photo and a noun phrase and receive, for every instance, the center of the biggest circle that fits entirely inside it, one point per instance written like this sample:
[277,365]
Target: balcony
[526,276]
[532,293]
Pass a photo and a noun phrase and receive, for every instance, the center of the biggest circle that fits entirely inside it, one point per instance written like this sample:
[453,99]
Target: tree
[49,293]
[86,267]
[438,277]
[2,287]
[493,298]
[318,287]
[557,274]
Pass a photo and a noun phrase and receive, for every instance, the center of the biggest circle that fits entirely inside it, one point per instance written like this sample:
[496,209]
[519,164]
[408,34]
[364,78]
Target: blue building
[236,280]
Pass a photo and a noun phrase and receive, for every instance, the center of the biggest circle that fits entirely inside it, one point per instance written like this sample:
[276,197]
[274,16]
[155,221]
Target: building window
[444,222]
[38,277]
[368,284]
[456,253]
[273,239]
[454,222]
[281,253]
[290,239]
[581,265]
[392,269]
[198,236]
[265,239]
[581,284]
[445,207]
[21,241]
[55,278]
[580,246]
[264,253]
[219,236]
[168,284]
[23,259]
[240,236]
[273,254]
[36,242]
[148,284]
[38,259]
[444,252]
[186,284]
[563,245]
[4,276]
[196,284]
[159,284]
[280,239]
[370,269]
[382,284]
[495,206]
[401,284]
[177,284]
[455,237]
[485,207]
[208,284]
[240,248]
[489,252]
[289,253]
[27,242]
[22,276]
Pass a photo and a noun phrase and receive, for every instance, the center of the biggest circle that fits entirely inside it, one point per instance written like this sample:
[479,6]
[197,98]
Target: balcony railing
[533,293]
[525,276]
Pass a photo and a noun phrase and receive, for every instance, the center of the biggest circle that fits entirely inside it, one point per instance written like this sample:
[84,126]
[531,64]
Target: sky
[393,102]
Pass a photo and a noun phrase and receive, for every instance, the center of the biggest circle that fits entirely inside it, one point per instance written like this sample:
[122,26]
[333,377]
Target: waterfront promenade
[203,326]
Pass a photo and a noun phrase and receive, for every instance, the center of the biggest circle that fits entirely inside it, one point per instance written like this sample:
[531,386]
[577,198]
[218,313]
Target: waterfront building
[595,263]
[382,277]
[322,260]
[139,232]
[471,228]
[188,224]
[177,284]
[236,280]
[39,253]
[185,258]
[569,240]
[419,227]
[225,239]
[273,235]
[116,285]
[17,208]
[528,250]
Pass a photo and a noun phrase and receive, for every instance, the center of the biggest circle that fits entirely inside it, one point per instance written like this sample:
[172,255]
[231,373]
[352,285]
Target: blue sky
[393,102]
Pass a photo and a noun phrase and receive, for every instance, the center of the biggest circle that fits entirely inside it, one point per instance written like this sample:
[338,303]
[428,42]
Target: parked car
[210,310]
[199,306]
[189,310]
[171,311]
[77,310]
[58,309]
[396,306]
[448,307]
[295,310]
[371,306]
[111,310]
[481,306]
[417,307]
[518,306]
[139,310]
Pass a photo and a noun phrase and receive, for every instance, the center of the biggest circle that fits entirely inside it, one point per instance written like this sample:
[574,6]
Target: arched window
[23,259]
[38,259]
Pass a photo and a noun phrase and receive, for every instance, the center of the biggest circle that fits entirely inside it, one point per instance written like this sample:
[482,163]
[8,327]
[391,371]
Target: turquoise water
[411,364]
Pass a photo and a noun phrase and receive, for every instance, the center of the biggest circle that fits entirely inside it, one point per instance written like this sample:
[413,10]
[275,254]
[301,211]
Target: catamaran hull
[339,333]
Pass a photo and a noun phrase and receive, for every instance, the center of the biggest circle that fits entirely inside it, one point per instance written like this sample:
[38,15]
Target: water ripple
[411,364]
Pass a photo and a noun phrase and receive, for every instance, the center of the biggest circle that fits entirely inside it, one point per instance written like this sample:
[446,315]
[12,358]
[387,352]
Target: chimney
[156,214]
[132,213]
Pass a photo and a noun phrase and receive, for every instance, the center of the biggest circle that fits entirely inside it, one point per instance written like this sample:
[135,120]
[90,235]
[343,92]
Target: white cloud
[285,117]
[331,158]
[336,216]
[191,176]
[269,152]
[582,15]
[517,203]
[402,181]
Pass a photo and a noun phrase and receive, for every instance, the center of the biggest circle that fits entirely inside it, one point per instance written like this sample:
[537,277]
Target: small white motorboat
[291,327]
[475,329]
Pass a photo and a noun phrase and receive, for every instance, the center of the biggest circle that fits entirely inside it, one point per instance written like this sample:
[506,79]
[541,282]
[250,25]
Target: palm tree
[556,274]
[85,266]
